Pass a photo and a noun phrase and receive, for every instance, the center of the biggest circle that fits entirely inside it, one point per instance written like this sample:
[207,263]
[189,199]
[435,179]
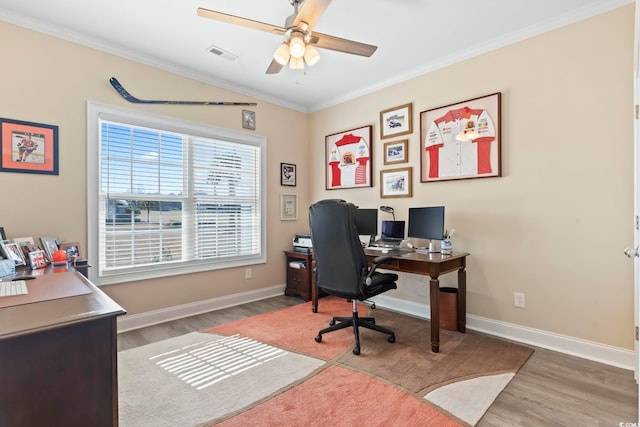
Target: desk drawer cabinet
[299,274]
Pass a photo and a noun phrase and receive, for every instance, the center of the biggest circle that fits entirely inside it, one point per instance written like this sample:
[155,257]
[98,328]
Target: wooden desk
[432,265]
[58,358]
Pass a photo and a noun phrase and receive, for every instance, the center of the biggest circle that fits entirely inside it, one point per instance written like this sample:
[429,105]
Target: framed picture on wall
[288,174]
[396,152]
[396,121]
[248,120]
[396,183]
[348,159]
[461,141]
[28,147]
[288,207]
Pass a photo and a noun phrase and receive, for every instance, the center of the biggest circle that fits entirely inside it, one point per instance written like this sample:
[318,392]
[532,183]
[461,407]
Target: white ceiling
[413,37]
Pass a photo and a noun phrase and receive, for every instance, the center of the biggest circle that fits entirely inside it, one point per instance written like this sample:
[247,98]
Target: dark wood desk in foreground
[58,354]
[432,265]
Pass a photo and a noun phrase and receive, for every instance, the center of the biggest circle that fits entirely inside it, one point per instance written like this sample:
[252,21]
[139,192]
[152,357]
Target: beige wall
[47,80]
[555,224]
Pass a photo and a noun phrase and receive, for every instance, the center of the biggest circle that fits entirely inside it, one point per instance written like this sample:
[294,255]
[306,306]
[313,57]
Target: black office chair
[341,265]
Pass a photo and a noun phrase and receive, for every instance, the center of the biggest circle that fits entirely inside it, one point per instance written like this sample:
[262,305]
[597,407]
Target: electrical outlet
[518,299]
[247,273]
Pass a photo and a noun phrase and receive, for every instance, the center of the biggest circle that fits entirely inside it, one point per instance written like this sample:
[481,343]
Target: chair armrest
[376,262]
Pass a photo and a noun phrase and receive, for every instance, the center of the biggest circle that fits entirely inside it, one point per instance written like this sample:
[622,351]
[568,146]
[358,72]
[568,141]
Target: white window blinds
[171,201]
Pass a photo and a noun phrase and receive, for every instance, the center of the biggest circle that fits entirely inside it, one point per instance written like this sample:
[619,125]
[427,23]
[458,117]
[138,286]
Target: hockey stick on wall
[126,95]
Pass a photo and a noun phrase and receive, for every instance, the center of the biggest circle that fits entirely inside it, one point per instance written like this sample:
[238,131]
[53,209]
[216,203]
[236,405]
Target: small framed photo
[288,174]
[396,183]
[248,119]
[396,121]
[49,245]
[288,207]
[23,241]
[396,152]
[14,252]
[72,249]
[37,259]
[28,147]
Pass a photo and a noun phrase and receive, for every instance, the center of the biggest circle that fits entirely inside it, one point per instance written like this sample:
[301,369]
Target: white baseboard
[135,321]
[602,353]
[590,350]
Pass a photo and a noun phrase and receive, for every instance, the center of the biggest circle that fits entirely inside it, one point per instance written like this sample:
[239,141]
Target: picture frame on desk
[23,241]
[49,245]
[37,259]
[14,252]
[72,249]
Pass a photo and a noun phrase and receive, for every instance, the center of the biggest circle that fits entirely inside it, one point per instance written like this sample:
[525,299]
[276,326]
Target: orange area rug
[341,397]
[387,384]
[294,328]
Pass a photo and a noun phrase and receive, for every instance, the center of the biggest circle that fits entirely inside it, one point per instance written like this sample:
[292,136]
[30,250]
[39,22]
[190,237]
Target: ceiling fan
[300,41]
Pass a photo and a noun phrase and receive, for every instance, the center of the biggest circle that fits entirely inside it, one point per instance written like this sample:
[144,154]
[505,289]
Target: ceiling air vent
[222,53]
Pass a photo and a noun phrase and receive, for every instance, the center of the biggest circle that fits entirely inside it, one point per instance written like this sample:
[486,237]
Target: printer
[302,243]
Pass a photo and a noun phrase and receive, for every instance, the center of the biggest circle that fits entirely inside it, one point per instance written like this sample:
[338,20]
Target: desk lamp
[389,209]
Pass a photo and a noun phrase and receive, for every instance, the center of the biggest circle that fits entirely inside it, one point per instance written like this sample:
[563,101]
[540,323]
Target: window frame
[97,111]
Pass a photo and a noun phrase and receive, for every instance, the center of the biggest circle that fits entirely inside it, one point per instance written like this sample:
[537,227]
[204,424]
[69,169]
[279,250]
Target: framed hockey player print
[461,141]
[28,147]
[348,159]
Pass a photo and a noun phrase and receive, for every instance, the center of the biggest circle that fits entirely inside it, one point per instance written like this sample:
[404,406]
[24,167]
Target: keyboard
[389,244]
[10,289]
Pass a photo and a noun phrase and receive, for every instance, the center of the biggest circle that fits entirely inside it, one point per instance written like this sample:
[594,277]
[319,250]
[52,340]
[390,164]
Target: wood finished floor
[551,389]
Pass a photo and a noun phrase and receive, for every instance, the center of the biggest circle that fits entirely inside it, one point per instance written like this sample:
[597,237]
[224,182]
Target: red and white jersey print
[348,161]
[451,157]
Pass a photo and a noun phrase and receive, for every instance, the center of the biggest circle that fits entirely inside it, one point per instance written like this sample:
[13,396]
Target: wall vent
[218,51]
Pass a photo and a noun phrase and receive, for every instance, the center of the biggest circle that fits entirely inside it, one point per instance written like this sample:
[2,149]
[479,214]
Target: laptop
[392,234]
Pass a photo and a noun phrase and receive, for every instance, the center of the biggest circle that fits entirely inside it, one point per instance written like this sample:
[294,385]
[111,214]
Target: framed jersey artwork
[28,147]
[348,159]
[461,141]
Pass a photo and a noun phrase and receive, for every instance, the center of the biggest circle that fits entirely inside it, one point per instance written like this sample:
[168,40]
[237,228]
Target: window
[170,197]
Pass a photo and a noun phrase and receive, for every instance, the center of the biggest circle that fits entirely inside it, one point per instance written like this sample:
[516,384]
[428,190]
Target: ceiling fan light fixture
[296,63]
[296,45]
[311,55]
[282,54]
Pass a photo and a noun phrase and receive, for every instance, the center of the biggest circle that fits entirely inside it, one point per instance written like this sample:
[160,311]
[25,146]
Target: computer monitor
[367,223]
[392,230]
[427,223]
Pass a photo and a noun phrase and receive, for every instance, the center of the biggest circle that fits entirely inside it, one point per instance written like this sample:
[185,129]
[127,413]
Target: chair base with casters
[356,322]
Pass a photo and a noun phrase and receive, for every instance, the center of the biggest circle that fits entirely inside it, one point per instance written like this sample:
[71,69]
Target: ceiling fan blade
[325,41]
[274,67]
[309,12]
[236,20]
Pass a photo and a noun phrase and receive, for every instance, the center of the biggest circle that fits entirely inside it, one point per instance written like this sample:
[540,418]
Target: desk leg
[314,295]
[462,300]
[435,314]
